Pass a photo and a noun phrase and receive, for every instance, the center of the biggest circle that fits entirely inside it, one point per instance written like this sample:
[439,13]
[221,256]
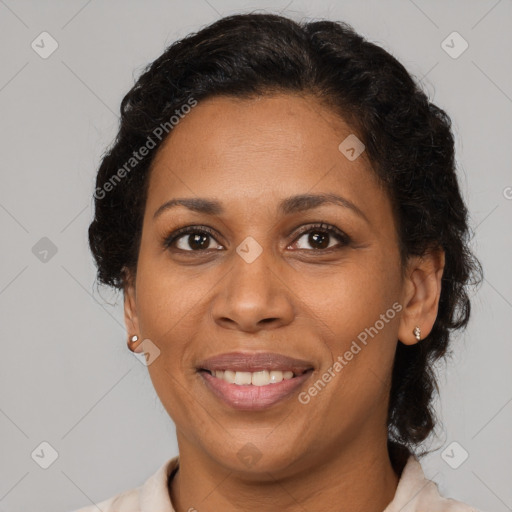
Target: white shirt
[414,494]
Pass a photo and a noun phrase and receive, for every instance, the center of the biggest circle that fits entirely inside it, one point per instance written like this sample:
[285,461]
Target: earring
[131,342]
[417,333]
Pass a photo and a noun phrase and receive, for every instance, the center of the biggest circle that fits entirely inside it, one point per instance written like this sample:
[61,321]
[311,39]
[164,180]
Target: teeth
[228,376]
[261,378]
[242,378]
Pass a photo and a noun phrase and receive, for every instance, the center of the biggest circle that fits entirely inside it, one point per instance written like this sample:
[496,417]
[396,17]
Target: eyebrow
[287,206]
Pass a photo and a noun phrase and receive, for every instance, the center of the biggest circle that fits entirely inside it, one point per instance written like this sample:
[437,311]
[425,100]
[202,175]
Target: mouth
[253,381]
[259,378]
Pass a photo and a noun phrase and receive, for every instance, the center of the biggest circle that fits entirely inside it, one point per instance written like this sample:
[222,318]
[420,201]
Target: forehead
[261,149]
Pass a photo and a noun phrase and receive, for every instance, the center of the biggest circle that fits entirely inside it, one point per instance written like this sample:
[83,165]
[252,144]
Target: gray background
[67,377]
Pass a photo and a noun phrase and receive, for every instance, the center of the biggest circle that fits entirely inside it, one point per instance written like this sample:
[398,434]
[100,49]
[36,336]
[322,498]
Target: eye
[196,238]
[319,237]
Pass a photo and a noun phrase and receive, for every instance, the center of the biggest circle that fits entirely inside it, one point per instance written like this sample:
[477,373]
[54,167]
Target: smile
[261,378]
[253,381]
[256,395]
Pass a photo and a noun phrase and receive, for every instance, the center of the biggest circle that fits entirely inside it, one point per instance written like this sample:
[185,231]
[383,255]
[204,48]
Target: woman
[282,213]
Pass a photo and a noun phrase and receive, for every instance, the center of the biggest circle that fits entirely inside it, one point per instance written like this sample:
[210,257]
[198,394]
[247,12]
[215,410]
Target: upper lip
[253,362]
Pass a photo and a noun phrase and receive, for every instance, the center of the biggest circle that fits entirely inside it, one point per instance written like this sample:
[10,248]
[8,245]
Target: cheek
[361,310]
[353,297]
[167,296]
[167,310]
[168,307]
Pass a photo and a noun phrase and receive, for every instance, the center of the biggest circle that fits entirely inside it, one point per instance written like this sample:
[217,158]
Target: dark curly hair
[408,142]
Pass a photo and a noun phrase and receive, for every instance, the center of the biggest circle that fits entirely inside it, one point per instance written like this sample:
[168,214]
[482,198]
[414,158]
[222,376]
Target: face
[272,279]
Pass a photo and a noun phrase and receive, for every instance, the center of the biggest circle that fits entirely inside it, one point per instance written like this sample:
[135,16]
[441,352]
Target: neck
[360,477]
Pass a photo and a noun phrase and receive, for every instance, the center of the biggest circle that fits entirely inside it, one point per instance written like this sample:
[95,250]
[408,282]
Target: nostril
[267,320]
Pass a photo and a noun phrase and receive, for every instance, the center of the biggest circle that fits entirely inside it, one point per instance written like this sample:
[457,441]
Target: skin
[294,299]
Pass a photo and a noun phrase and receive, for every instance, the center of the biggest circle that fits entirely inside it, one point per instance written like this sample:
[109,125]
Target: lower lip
[253,398]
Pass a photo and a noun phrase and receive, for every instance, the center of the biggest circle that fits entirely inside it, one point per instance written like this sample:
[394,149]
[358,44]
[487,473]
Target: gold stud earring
[417,333]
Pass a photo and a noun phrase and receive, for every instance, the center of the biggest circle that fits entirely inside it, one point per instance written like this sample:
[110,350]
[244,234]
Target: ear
[130,310]
[422,290]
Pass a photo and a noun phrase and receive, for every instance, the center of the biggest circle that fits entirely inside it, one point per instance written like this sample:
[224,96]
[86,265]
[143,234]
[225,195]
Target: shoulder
[415,493]
[152,495]
[127,501]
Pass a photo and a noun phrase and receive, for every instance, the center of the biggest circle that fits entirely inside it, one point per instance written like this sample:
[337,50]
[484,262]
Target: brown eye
[317,240]
[191,239]
[321,237]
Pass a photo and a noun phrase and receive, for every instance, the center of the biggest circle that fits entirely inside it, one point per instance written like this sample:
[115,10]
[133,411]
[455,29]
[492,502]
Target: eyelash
[322,227]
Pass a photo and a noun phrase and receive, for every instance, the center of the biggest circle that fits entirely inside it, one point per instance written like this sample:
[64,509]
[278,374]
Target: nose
[253,296]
